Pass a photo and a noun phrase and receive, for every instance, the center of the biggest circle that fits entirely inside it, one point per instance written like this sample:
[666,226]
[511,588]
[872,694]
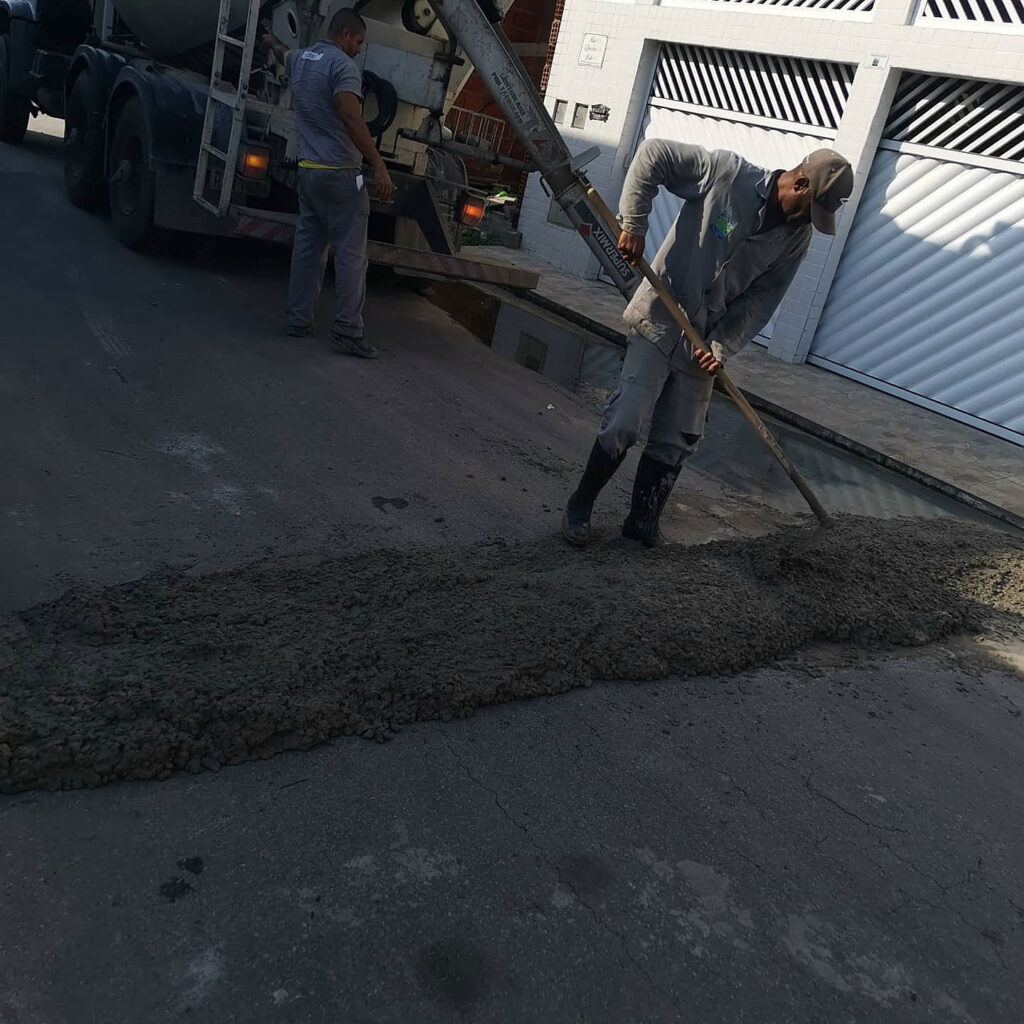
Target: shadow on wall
[561,355]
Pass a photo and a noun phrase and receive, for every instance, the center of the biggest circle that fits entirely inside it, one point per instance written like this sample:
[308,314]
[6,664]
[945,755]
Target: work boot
[352,346]
[600,469]
[651,487]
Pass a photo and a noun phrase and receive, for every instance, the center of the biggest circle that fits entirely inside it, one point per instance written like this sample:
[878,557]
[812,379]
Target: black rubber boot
[600,469]
[651,487]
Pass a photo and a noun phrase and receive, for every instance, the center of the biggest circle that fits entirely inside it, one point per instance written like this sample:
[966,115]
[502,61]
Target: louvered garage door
[928,301]
[771,110]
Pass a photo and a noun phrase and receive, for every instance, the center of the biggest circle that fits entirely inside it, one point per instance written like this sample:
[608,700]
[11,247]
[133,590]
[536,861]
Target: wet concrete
[169,673]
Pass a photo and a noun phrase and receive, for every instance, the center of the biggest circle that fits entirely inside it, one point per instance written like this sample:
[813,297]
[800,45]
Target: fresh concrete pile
[179,673]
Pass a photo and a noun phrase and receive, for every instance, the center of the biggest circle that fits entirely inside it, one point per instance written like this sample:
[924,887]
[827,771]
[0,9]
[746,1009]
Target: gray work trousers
[671,392]
[333,213]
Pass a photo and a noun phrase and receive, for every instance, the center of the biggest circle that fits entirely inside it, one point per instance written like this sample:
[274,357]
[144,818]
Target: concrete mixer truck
[175,118]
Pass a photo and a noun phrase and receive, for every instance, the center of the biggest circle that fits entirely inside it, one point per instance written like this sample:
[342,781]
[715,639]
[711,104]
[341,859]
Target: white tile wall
[634,30]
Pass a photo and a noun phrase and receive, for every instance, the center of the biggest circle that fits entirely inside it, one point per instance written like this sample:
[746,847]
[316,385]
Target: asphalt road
[834,838]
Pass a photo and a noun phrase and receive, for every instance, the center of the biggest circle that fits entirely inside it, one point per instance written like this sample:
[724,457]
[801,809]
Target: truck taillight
[254,161]
[472,212]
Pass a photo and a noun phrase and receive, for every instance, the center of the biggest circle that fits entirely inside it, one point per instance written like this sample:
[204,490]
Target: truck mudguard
[19,23]
[24,10]
[174,106]
[101,65]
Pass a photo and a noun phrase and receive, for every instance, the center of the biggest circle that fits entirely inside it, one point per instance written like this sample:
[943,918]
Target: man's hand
[706,360]
[631,246]
[270,42]
[383,186]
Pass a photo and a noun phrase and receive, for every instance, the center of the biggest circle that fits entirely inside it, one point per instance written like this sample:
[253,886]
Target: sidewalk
[960,461]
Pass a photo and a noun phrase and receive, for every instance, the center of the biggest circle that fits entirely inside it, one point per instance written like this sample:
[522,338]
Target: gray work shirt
[727,273]
[317,75]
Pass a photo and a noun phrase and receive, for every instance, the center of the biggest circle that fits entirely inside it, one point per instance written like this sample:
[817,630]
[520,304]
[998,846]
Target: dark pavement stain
[383,503]
[174,888]
[194,865]
[452,971]
[585,874]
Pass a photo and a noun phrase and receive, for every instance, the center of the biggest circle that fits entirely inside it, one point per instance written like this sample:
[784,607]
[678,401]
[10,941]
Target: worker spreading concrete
[728,259]
[334,207]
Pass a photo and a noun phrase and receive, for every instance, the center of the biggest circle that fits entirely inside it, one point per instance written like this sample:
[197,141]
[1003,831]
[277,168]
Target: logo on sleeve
[723,226]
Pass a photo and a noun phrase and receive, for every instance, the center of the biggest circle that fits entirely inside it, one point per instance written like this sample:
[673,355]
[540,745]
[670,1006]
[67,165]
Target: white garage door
[928,300]
[771,110]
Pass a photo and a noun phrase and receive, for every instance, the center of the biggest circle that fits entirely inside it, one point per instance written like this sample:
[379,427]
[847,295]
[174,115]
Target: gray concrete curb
[617,340]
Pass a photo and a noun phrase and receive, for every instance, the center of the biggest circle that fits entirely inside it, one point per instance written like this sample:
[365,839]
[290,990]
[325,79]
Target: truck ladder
[510,86]
[222,94]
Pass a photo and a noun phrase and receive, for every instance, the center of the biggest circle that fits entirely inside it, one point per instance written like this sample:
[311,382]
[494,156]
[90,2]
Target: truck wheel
[83,145]
[14,110]
[132,182]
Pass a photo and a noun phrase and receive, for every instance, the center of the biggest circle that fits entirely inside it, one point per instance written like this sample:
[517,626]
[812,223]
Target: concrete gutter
[602,334]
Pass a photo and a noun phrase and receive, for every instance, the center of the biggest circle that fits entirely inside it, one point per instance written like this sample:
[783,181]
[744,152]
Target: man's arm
[270,42]
[350,111]
[753,309]
[684,170]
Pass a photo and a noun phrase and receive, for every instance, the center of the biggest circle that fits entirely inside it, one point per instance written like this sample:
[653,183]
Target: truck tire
[132,182]
[14,110]
[83,144]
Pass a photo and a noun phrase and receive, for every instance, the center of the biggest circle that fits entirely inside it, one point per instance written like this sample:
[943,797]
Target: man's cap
[831,179]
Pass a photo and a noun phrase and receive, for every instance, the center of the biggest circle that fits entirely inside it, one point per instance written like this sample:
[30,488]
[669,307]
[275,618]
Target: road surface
[830,838]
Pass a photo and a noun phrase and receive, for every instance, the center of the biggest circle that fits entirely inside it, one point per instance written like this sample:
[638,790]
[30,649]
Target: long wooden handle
[693,335]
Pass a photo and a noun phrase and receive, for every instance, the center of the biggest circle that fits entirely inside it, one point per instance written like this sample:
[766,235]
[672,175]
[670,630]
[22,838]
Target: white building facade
[921,292]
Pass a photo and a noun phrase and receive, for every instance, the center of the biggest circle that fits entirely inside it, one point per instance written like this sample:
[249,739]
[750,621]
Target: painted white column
[857,139]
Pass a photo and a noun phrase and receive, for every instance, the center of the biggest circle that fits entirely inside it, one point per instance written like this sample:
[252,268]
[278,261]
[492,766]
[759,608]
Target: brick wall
[532,27]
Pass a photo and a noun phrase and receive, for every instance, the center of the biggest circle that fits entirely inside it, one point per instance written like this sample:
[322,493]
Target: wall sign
[593,49]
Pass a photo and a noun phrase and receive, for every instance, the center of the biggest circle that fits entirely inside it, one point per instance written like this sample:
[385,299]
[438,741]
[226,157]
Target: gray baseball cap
[831,178]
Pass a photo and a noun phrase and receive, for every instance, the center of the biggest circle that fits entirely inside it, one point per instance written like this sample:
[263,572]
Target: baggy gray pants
[333,214]
[670,391]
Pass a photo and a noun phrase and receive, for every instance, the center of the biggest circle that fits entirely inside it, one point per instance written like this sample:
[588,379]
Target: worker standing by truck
[729,258]
[334,206]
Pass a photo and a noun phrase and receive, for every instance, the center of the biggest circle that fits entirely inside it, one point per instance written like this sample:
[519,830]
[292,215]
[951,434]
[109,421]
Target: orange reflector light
[255,162]
[472,212]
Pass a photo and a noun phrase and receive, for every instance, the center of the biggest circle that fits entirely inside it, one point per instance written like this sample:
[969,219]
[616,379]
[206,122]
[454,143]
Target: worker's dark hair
[345,20]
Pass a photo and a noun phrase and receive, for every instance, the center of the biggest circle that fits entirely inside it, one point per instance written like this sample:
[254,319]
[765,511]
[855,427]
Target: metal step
[236,101]
[214,151]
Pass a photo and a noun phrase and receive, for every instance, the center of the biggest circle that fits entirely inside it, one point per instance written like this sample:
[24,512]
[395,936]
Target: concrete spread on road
[174,672]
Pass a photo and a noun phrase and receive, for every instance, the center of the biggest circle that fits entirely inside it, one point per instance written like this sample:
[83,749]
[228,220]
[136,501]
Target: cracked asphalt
[833,837]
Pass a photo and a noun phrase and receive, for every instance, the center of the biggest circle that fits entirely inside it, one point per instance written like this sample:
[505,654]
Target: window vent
[810,92]
[965,115]
[981,12]
[815,5]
